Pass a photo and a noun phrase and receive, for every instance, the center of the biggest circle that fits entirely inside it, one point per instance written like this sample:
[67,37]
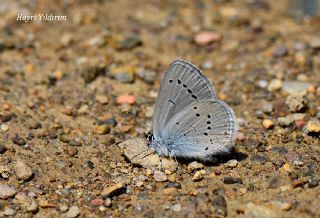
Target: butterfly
[189,120]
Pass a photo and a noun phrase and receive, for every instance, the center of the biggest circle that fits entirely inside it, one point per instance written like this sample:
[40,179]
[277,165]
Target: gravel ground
[70,89]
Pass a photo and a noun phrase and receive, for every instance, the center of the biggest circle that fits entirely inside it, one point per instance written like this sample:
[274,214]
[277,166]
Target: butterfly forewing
[181,85]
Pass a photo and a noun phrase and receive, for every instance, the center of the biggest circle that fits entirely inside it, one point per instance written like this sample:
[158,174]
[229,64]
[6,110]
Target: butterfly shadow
[217,160]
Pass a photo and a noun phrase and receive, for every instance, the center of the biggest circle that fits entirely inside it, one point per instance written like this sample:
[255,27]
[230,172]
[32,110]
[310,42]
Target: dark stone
[7,117]
[259,159]
[75,143]
[90,164]
[313,182]
[173,185]
[18,140]
[90,73]
[3,149]
[129,43]
[232,180]
[293,156]
[279,150]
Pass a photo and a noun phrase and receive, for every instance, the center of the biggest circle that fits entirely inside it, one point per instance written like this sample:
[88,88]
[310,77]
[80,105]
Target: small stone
[280,51]
[64,208]
[279,181]
[33,206]
[315,43]
[73,212]
[72,151]
[136,150]
[299,182]
[256,210]
[313,182]
[176,185]
[279,150]
[259,159]
[22,171]
[102,99]
[114,190]
[126,99]
[9,211]
[18,140]
[285,121]
[129,43]
[124,77]
[241,136]
[90,73]
[293,157]
[267,108]
[176,207]
[268,124]
[75,142]
[313,126]
[263,84]
[7,191]
[3,149]
[147,76]
[296,102]
[292,87]
[206,38]
[199,175]
[97,201]
[232,180]
[102,129]
[160,176]
[4,127]
[274,85]
[232,163]
[68,110]
[208,65]
[195,166]
[107,202]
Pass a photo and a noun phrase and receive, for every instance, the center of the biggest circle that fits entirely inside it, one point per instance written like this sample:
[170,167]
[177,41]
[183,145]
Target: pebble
[102,129]
[7,191]
[72,151]
[90,73]
[9,211]
[176,185]
[274,85]
[176,207]
[22,170]
[136,150]
[147,76]
[126,99]
[313,126]
[232,163]
[232,180]
[280,51]
[241,136]
[129,43]
[268,124]
[279,181]
[107,202]
[292,87]
[102,99]
[75,142]
[123,77]
[263,84]
[3,149]
[160,176]
[296,102]
[33,206]
[206,38]
[313,182]
[199,175]
[195,166]
[259,159]
[117,189]
[285,121]
[267,108]
[18,140]
[4,127]
[97,202]
[73,212]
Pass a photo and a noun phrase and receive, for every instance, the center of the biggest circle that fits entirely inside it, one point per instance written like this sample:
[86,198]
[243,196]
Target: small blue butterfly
[189,121]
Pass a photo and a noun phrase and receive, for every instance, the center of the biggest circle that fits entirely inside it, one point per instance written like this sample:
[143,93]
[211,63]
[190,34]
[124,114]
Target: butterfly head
[158,145]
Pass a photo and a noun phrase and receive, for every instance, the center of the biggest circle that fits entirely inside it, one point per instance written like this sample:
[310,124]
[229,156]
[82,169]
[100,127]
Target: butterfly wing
[181,85]
[200,130]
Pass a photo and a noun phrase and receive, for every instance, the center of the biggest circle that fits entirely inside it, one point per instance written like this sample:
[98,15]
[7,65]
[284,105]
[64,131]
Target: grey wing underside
[181,85]
[202,129]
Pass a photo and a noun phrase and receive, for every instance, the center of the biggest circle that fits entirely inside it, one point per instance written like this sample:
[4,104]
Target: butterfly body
[189,120]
